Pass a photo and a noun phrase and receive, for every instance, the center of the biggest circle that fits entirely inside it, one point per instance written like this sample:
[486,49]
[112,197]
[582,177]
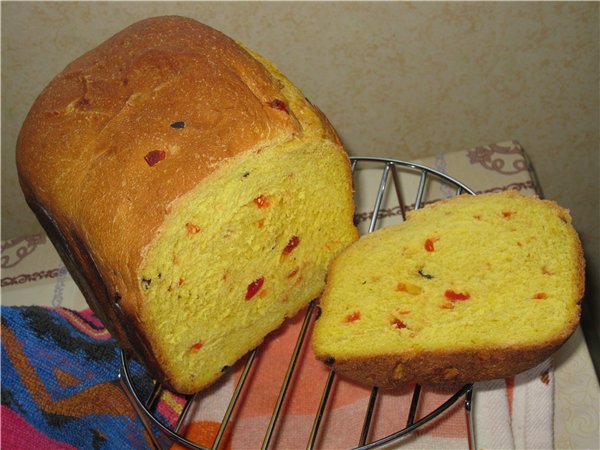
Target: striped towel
[60,390]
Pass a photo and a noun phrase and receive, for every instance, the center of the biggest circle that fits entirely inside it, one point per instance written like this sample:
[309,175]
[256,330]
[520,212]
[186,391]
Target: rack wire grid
[409,181]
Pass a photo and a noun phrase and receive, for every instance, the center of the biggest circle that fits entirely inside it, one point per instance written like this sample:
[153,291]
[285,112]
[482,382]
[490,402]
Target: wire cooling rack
[385,189]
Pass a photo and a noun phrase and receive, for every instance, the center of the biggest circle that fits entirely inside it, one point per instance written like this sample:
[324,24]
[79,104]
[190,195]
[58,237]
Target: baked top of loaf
[469,288]
[166,84]
[194,192]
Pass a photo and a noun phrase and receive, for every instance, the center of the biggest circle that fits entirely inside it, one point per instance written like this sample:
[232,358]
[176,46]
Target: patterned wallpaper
[396,79]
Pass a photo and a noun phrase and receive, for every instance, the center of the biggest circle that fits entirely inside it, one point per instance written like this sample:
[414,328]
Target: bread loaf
[194,193]
[467,289]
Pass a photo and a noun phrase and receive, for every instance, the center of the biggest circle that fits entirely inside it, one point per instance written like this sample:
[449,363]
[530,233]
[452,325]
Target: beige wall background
[396,79]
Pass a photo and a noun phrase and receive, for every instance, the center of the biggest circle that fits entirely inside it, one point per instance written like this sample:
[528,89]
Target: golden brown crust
[443,369]
[196,99]
[77,141]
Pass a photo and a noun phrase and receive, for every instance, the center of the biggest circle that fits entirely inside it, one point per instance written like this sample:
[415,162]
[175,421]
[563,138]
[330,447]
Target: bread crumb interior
[241,253]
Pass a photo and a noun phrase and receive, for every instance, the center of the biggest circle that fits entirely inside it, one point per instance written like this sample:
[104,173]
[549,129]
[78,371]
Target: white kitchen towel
[533,408]
[491,412]
[516,413]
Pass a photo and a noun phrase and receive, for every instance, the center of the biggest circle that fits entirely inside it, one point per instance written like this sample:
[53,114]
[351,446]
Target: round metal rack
[411,186]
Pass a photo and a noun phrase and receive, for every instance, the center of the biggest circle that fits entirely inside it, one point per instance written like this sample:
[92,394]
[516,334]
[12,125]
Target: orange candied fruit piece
[192,228]
[299,280]
[261,201]
[547,271]
[540,296]
[408,287]
[352,316]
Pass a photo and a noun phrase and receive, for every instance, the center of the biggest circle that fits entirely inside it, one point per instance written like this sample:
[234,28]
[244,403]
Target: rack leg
[368,417]
[470,419]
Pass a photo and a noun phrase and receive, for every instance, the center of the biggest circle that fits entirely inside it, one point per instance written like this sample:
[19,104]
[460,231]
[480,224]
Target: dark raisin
[146,283]
[117,297]
[224,369]
[245,174]
[83,102]
[425,275]
[178,125]
[330,361]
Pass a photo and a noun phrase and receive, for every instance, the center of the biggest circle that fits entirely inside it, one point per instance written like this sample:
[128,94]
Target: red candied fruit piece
[540,296]
[254,287]
[293,272]
[155,156]
[196,347]
[279,104]
[261,201]
[352,316]
[507,214]
[291,245]
[456,296]
[398,324]
[429,245]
